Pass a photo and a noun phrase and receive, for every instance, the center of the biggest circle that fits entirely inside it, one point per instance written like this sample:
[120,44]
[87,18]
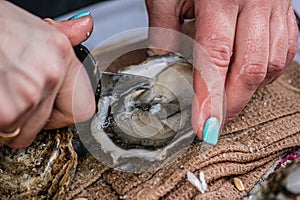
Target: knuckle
[254,74]
[53,76]
[55,70]
[61,42]
[293,48]
[31,94]
[276,65]
[32,99]
[220,51]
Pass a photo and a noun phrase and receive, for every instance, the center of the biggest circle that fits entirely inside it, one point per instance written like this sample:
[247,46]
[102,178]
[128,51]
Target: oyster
[42,170]
[144,115]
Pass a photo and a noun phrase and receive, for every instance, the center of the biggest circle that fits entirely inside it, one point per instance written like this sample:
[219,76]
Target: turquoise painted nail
[211,131]
[81,14]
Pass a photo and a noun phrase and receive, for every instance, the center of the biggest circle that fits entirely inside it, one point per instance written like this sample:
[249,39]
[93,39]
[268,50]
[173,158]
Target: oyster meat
[144,115]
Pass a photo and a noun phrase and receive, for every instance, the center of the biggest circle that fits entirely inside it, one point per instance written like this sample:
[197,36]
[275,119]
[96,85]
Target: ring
[5,137]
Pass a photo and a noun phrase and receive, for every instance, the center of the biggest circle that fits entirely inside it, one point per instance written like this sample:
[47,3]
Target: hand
[250,43]
[39,73]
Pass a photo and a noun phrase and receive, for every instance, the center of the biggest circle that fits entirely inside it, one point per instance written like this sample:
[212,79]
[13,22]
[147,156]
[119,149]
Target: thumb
[77,30]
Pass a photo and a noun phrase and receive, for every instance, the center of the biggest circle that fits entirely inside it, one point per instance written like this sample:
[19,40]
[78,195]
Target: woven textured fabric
[248,147]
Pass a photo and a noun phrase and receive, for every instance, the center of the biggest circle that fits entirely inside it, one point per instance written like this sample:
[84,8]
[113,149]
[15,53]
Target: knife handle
[89,63]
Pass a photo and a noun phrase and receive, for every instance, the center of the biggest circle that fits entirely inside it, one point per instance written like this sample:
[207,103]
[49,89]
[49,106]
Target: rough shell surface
[42,171]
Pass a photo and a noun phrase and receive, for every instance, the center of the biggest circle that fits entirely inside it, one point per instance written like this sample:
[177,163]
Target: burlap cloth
[268,127]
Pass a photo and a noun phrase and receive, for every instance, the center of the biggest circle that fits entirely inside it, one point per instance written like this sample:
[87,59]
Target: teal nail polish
[211,131]
[81,14]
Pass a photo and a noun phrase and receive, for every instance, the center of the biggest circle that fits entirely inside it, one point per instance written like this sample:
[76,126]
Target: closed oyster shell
[43,170]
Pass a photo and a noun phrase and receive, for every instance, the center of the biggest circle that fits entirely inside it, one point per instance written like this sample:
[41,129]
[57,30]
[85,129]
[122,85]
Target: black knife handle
[88,61]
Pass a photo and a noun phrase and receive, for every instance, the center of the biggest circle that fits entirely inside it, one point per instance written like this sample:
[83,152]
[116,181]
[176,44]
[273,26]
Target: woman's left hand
[250,43]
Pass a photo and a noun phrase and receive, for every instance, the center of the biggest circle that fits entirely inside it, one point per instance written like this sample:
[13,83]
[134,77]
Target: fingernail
[81,14]
[211,131]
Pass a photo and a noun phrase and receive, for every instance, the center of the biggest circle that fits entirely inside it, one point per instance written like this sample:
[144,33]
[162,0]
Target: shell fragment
[201,184]
[238,184]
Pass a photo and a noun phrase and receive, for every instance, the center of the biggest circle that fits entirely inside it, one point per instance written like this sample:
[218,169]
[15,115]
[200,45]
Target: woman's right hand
[39,73]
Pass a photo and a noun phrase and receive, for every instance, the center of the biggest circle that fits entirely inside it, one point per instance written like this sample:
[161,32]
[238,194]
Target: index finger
[214,31]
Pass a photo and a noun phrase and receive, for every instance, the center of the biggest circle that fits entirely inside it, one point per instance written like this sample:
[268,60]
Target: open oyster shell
[144,115]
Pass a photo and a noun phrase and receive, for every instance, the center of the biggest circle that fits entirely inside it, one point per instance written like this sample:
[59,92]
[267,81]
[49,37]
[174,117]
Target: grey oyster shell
[144,115]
